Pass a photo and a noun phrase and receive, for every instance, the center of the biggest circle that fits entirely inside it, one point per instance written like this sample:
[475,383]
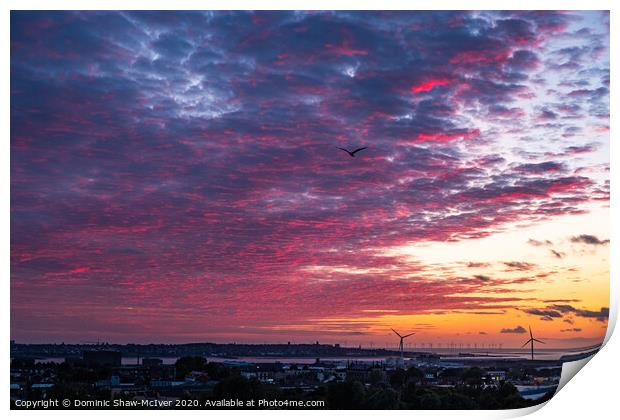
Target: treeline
[400,390]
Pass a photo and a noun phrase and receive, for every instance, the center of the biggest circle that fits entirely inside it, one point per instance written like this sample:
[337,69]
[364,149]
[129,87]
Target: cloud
[589,240]
[557,254]
[535,242]
[542,312]
[563,308]
[539,168]
[472,264]
[519,265]
[124,251]
[601,315]
[207,159]
[517,330]
[578,150]
[571,330]
[561,300]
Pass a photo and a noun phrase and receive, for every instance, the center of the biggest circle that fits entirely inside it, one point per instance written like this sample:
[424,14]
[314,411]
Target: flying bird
[352,154]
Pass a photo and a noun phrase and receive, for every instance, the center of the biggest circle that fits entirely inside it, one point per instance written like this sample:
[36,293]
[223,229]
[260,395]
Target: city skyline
[175,177]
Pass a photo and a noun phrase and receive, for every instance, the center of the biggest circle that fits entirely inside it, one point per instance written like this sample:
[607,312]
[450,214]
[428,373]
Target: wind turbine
[402,338]
[531,341]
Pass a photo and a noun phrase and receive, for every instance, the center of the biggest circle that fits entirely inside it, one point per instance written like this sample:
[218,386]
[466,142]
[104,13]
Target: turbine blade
[531,336]
[526,343]
[538,341]
[405,336]
[396,333]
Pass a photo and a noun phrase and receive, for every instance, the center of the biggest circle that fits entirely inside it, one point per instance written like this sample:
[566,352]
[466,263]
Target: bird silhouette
[352,154]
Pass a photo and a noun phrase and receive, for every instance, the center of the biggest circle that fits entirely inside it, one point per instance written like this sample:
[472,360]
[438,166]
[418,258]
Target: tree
[187,364]
[415,375]
[376,376]
[382,399]
[409,394]
[238,387]
[347,395]
[473,376]
[430,401]
[398,378]
[456,401]
[217,371]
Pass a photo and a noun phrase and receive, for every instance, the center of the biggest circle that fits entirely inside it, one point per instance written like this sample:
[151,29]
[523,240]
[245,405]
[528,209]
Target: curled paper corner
[614,300]
[613,313]
[520,412]
[570,369]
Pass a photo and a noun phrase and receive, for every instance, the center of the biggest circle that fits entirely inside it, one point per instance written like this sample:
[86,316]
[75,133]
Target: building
[362,372]
[428,359]
[113,381]
[264,372]
[152,362]
[496,375]
[102,358]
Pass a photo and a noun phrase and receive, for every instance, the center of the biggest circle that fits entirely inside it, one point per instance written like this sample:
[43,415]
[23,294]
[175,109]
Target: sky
[176,177]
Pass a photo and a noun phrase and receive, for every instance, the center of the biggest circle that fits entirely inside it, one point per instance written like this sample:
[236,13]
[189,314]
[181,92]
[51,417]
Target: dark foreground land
[98,380]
